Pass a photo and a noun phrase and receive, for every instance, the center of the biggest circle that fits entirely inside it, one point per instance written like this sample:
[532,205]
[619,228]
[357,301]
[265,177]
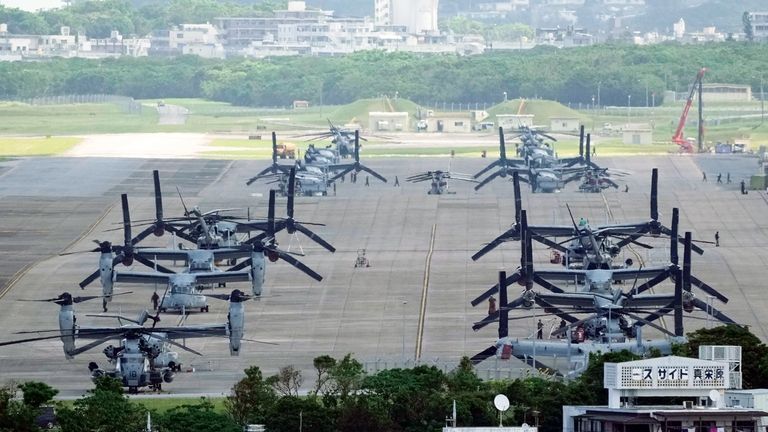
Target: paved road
[373,312]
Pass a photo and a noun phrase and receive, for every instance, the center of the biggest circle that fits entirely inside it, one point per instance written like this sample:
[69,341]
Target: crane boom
[677,138]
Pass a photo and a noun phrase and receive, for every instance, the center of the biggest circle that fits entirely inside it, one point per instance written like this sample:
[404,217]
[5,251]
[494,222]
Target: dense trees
[346,399]
[570,76]
[96,19]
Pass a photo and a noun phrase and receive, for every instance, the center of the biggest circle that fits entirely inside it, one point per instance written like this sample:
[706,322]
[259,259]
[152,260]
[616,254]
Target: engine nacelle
[67,328]
[258,266]
[106,276]
[236,321]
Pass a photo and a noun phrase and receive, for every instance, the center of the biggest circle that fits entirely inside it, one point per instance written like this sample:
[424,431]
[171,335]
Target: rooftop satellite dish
[502,403]
[714,395]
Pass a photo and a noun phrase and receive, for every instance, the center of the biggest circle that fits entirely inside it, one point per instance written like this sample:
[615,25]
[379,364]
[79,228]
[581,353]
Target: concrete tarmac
[381,314]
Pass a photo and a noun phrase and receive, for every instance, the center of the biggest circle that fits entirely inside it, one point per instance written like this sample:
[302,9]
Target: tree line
[96,19]
[345,398]
[604,74]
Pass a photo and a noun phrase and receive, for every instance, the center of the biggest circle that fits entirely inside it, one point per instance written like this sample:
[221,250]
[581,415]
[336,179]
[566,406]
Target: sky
[31,5]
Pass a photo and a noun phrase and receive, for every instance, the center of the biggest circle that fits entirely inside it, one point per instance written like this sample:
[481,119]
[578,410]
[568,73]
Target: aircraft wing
[653,300]
[631,274]
[163,254]
[222,277]
[141,277]
[553,231]
[229,253]
[574,300]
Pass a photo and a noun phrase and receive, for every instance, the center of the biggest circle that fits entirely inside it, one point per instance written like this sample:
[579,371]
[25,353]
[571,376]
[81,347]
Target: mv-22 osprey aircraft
[143,357]
[607,327]
[184,288]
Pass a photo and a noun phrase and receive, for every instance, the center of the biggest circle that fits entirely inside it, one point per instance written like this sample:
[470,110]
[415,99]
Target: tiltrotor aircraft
[607,328]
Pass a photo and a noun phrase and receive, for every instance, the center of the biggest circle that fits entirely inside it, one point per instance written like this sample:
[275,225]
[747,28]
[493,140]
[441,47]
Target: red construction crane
[678,138]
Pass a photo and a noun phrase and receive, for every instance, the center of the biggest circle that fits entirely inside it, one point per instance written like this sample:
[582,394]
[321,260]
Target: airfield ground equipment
[361,260]
[678,137]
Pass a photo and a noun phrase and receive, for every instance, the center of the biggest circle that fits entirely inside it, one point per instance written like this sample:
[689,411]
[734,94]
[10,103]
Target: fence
[127,104]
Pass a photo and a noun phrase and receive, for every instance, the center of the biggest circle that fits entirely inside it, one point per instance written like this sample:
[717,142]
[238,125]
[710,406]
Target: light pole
[593,102]
[629,108]
[598,93]
[505,96]
[405,302]
[762,99]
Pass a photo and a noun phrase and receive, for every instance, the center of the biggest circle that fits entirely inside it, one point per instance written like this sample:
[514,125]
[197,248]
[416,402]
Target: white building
[417,16]
[759,25]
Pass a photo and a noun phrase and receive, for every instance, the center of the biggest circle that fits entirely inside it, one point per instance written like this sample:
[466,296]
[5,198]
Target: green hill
[543,110]
[358,110]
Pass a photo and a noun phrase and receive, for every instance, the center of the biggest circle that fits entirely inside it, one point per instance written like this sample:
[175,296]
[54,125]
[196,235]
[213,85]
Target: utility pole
[762,101]
[700,138]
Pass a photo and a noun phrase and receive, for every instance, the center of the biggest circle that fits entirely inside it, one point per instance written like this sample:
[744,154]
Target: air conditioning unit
[688,404]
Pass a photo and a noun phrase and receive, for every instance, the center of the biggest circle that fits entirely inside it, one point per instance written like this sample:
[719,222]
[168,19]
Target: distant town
[397,25]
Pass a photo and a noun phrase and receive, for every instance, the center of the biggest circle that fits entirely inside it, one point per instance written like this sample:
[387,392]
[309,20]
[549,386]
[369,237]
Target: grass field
[217,117]
[10,147]
[23,119]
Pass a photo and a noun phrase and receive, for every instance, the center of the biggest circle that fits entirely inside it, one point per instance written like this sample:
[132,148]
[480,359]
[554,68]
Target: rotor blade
[483,355]
[260,342]
[241,265]
[548,242]
[341,174]
[127,238]
[153,265]
[93,344]
[655,194]
[661,277]
[271,213]
[291,192]
[518,198]
[657,327]
[714,313]
[486,169]
[274,147]
[186,211]
[30,340]
[298,264]
[176,344]
[92,277]
[158,197]
[488,179]
[314,237]
[514,277]
[708,289]
[508,235]
[371,172]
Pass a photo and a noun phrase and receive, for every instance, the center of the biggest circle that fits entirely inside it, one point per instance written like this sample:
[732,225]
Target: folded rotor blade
[92,277]
[93,344]
[372,172]
[483,355]
[488,179]
[314,237]
[514,277]
[153,265]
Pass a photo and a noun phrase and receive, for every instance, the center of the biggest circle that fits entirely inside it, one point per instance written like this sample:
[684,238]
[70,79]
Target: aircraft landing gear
[133,390]
[204,309]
